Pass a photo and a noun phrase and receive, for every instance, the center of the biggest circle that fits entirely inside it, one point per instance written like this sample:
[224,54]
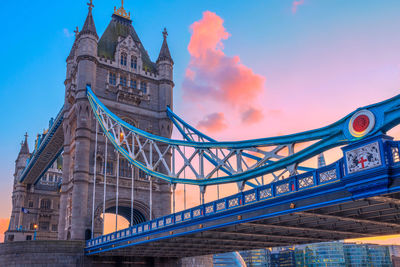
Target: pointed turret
[24,146]
[89,27]
[165,55]
[165,69]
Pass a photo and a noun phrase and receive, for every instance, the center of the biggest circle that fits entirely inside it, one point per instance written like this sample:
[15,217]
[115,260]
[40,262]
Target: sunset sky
[243,69]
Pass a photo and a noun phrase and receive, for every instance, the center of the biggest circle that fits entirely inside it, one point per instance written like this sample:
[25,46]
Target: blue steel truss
[264,151]
[190,133]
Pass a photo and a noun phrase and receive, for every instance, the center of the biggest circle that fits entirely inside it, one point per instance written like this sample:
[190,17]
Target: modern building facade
[323,254]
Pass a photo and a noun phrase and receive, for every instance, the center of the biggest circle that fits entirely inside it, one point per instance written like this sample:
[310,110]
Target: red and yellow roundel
[361,123]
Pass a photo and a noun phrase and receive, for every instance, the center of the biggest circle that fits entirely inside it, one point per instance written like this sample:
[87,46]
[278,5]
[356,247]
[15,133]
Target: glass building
[356,255]
[324,254]
[379,256]
[257,257]
[230,259]
[320,255]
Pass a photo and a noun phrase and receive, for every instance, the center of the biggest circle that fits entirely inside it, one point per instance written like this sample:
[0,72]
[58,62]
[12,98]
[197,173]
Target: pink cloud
[214,76]
[252,115]
[296,4]
[213,122]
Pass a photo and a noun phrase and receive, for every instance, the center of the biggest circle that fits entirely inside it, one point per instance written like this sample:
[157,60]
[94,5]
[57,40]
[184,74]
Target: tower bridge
[114,132]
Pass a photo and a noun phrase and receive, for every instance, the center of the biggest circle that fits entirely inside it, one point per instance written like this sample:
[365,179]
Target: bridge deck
[362,218]
[46,153]
[327,207]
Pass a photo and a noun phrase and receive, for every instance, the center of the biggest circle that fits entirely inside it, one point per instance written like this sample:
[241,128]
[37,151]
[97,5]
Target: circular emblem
[361,123]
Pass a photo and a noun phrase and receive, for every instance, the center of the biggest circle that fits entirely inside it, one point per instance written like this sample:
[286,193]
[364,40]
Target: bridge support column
[80,216]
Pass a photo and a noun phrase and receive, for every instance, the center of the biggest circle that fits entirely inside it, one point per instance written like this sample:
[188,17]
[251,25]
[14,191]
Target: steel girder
[240,161]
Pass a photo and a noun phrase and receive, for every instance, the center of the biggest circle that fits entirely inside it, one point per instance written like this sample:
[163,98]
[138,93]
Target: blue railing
[304,181]
[323,176]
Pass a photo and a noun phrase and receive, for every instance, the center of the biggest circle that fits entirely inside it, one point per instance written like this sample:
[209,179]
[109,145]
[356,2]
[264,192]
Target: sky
[243,69]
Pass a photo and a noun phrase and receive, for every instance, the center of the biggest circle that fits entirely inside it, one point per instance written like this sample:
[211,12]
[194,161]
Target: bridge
[356,196]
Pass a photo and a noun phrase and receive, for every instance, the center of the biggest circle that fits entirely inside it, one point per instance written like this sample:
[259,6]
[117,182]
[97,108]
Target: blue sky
[314,56]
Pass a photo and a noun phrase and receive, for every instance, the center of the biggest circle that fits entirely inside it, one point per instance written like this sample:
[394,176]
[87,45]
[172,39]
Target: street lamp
[35,226]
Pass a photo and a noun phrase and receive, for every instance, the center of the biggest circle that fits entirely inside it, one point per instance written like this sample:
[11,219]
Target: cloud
[214,76]
[296,4]
[213,122]
[252,115]
[67,33]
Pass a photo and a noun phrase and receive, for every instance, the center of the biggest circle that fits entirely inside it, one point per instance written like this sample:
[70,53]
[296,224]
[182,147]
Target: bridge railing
[321,177]
[305,181]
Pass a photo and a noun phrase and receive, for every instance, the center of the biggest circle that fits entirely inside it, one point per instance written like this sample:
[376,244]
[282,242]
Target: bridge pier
[71,253]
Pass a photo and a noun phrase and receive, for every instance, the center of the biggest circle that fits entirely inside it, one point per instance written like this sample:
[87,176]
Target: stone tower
[34,207]
[122,75]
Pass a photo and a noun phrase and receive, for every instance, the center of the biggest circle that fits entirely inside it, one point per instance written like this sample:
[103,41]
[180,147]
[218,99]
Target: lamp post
[35,226]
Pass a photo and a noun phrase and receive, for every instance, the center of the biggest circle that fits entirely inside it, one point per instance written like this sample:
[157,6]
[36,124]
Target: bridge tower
[121,73]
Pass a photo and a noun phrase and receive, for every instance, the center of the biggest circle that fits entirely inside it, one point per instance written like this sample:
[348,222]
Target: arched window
[133,62]
[124,169]
[133,84]
[143,87]
[123,59]
[110,168]
[112,78]
[123,81]
[99,164]
[45,204]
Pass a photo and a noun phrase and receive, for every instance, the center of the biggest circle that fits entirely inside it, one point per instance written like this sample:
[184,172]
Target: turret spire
[89,27]
[164,52]
[24,145]
[91,6]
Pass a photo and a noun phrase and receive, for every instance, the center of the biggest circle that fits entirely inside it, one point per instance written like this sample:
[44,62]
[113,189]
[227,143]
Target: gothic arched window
[133,62]
[110,168]
[143,87]
[45,204]
[124,169]
[123,81]
[112,78]
[133,84]
[99,164]
[123,59]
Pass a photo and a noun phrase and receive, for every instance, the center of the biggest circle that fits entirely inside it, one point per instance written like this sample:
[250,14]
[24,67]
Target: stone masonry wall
[62,253]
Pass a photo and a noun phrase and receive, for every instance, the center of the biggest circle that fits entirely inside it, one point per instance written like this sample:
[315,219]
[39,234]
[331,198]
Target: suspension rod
[173,197]
[151,197]
[132,192]
[94,178]
[184,177]
[117,195]
[105,184]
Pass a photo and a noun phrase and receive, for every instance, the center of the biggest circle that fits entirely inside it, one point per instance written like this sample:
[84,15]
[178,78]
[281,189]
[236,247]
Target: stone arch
[141,211]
